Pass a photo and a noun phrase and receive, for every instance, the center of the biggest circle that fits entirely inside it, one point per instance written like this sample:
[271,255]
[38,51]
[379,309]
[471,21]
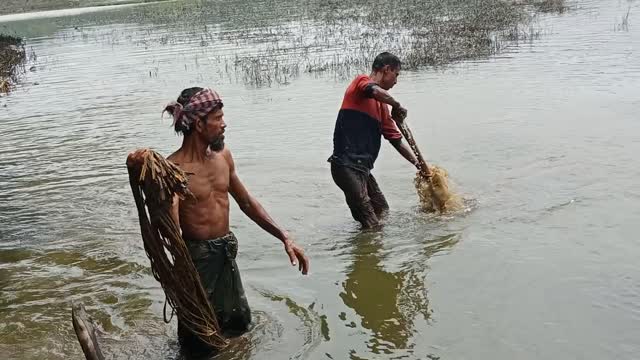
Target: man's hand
[136,158]
[428,174]
[297,256]
[398,113]
[418,165]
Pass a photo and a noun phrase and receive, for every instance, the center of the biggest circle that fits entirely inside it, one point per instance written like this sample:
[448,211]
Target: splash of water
[436,195]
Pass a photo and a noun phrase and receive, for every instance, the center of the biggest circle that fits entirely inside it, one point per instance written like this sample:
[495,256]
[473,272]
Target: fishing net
[433,192]
[155,182]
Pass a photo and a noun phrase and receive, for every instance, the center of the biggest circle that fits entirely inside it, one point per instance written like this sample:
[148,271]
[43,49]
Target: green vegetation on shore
[12,57]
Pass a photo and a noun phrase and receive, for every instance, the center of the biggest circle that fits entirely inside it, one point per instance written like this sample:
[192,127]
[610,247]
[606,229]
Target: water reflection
[389,302]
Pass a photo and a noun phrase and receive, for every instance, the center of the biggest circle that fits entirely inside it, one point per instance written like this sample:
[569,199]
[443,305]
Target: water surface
[544,137]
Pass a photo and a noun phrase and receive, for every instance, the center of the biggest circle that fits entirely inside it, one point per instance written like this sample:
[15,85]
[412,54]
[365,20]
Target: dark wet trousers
[362,193]
[215,262]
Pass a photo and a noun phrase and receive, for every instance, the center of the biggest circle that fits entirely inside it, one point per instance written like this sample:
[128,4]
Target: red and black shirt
[361,122]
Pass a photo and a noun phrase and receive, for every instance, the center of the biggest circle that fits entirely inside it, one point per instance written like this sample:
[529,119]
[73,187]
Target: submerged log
[86,332]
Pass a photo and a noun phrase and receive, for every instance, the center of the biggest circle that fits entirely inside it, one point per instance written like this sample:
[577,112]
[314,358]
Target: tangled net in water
[155,183]
[436,195]
[434,192]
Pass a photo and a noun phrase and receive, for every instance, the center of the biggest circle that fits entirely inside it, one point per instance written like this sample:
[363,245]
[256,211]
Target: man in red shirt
[362,120]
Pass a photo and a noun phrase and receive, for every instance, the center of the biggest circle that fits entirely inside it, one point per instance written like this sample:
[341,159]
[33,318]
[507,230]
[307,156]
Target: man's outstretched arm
[254,210]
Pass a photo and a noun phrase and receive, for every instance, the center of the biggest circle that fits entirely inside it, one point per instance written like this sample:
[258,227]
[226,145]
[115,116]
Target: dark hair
[187,94]
[183,100]
[386,58]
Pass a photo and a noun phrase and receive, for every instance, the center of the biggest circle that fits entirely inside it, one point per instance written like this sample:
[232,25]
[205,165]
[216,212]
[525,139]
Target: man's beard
[217,144]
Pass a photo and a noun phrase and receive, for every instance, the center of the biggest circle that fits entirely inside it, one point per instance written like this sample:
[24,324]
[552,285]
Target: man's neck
[194,149]
[376,77]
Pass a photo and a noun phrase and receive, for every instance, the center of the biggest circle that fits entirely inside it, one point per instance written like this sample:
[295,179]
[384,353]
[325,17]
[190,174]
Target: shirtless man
[204,220]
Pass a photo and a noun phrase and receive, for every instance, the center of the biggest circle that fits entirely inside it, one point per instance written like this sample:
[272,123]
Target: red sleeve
[389,129]
[363,85]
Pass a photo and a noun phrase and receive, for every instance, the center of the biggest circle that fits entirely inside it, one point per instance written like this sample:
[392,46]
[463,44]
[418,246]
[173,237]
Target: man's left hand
[297,256]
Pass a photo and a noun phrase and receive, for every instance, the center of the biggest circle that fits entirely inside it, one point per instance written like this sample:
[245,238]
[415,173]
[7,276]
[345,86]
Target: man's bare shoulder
[175,157]
[226,153]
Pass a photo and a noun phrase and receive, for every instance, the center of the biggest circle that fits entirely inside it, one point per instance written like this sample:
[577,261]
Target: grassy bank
[12,57]
[348,35]
[341,37]
[270,42]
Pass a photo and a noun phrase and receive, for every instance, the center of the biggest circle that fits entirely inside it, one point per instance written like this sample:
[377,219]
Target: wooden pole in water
[424,168]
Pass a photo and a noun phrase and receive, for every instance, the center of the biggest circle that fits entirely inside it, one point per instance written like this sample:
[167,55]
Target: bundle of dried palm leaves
[154,183]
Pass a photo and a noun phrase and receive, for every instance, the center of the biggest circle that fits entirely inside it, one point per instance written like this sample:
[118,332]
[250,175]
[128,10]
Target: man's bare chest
[208,181]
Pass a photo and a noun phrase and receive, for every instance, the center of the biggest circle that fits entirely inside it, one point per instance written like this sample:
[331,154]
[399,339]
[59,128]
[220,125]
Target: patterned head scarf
[199,106]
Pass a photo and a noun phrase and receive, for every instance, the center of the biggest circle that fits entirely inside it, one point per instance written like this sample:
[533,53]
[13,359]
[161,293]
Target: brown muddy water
[542,135]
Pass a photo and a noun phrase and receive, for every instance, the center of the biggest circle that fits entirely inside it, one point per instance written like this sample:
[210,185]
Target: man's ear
[199,125]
